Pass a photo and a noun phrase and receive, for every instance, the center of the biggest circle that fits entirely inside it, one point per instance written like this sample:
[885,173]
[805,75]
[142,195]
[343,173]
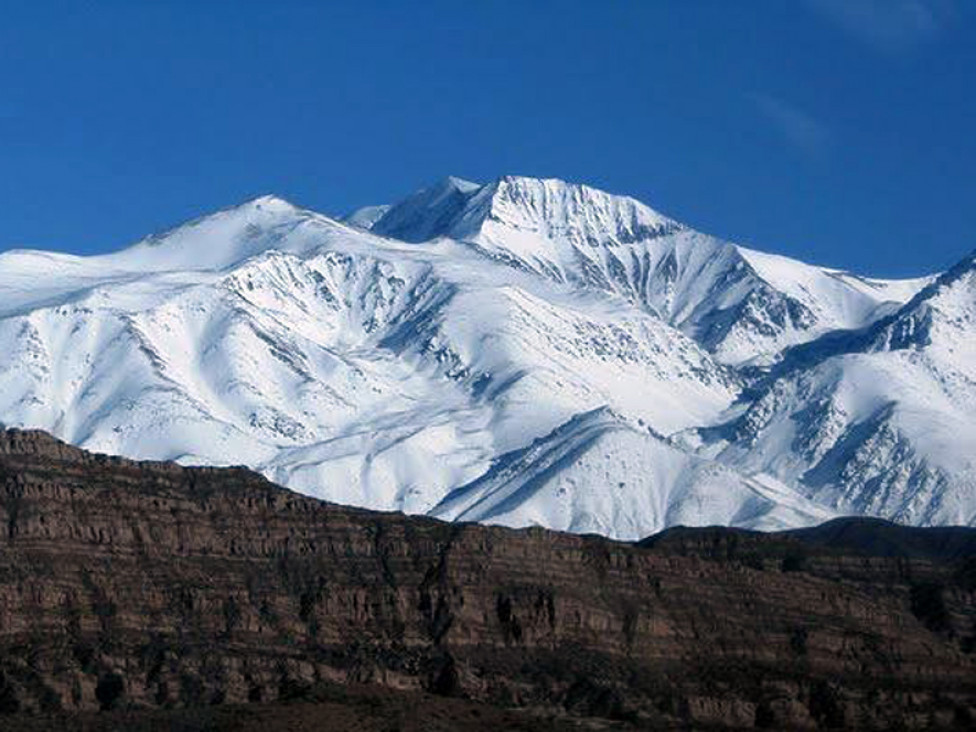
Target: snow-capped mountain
[526,351]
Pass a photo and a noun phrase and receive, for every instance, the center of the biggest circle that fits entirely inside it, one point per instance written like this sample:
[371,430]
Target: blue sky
[842,132]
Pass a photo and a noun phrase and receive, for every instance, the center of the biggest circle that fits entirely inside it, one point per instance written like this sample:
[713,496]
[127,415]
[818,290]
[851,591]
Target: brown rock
[128,585]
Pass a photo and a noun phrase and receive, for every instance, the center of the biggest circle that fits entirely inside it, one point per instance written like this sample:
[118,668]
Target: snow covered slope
[527,351]
[878,421]
[595,474]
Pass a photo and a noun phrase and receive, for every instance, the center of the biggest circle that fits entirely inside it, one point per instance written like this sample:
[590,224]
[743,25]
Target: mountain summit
[530,214]
[527,351]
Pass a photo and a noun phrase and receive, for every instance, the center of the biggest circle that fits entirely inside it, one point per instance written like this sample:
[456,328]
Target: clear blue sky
[842,132]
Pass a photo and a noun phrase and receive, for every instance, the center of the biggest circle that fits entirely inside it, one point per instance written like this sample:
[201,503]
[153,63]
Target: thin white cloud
[889,25]
[797,127]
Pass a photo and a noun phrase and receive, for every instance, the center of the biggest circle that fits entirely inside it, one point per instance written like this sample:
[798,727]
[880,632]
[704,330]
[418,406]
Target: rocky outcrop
[149,585]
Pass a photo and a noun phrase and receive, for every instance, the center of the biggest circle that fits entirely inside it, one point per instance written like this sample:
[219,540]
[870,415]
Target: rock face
[126,584]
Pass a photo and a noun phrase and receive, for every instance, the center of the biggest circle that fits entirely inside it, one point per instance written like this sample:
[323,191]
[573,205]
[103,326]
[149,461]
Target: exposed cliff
[127,584]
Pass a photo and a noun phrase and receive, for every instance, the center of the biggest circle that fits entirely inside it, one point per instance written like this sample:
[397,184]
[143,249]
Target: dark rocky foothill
[148,595]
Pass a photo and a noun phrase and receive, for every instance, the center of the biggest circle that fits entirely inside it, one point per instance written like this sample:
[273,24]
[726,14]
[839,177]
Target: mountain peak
[554,210]
[231,235]
[459,184]
[268,202]
[547,207]
[429,212]
[553,196]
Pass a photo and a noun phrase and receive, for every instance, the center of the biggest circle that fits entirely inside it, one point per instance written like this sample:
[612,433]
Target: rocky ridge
[147,585]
